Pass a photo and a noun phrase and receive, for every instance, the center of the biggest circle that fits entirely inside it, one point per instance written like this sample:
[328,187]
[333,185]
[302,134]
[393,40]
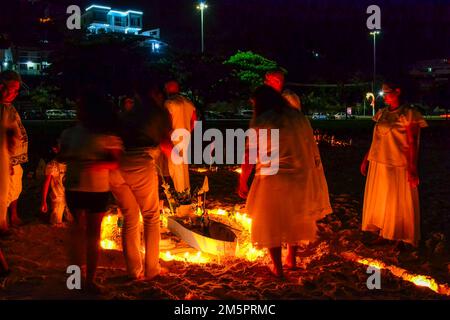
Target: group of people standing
[106,153]
[123,155]
[285,207]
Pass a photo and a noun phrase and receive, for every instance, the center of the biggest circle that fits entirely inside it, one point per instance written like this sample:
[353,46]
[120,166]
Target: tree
[249,68]
[46,97]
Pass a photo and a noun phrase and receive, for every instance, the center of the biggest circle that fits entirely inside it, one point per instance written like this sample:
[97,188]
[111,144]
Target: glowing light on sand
[186,257]
[418,280]
[111,237]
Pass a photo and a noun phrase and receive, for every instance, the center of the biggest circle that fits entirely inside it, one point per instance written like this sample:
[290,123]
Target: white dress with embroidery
[391,205]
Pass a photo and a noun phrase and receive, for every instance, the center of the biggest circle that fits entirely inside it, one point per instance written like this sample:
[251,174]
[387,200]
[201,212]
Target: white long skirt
[391,205]
[285,207]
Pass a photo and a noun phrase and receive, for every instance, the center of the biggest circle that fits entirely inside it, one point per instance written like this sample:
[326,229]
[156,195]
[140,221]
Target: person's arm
[412,134]
[246,168]
[365,164]
[166,147]
[45,187]
[193,119]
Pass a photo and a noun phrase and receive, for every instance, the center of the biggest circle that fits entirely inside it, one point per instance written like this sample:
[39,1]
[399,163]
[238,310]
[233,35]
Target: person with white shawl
[284,205]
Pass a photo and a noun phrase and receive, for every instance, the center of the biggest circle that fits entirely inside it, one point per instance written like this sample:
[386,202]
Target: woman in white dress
[284,204]
[391,199]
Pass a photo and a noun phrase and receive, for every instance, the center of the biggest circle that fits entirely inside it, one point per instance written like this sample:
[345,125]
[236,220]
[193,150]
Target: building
[6,59]
[31,61]
[99,19]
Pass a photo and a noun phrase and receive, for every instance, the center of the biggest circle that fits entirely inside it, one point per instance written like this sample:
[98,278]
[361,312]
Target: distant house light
[98,7]
[30,64]
[117,12]
[5,64]
[124,13]
[157,46]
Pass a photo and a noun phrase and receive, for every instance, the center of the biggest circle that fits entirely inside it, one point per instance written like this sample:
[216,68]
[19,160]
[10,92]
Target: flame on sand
[111,237]
[418,280]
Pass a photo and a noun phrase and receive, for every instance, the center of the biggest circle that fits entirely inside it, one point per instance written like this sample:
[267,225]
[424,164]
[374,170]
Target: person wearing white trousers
[135,187]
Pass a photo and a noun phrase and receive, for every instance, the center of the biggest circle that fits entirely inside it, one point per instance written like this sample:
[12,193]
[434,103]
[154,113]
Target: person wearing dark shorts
[90,150]
[93,202]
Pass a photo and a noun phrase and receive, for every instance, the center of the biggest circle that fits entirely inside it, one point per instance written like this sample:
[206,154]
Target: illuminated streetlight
[371,97]
[374,34]
[202,6]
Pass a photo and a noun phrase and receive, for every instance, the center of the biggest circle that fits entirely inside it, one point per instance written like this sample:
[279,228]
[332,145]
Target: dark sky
[288,31]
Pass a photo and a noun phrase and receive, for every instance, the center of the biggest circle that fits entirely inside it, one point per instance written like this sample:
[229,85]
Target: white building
[99,19]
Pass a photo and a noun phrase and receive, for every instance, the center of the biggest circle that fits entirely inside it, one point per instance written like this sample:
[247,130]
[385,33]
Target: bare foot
[290,263]
[15,221]
[276,272]
[162,272]
[289,266]
[58,225]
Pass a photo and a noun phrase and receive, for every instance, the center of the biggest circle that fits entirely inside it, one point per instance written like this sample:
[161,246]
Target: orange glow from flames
[418,280]
[111,237]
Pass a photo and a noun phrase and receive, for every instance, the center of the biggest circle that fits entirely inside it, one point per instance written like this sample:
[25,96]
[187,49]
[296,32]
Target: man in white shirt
[183,115]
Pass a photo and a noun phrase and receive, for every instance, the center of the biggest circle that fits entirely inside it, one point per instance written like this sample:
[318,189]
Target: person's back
[146,126]
[297,149]
[181,110]
[81,148]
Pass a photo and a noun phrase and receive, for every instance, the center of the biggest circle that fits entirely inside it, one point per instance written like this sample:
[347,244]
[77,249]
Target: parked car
[320,116]
[212,115]
[53,114]
[71,114]
[246,114]
[340,116]
[228,115]
[33,115]
[343,116]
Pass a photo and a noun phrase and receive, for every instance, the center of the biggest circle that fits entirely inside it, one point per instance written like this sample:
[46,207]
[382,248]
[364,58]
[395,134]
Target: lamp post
[202,6]
[374,34]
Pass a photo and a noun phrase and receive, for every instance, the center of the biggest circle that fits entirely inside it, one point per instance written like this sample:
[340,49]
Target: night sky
[289,31]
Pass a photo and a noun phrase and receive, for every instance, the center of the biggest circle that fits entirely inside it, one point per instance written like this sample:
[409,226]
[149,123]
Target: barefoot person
[135,184]
[391,199]
[13,149]
[90,150]
[284,206]
[55,175]
[183,116]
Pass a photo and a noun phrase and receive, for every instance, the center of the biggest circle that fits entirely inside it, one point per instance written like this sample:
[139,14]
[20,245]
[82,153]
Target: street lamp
[202,6]
[374,34]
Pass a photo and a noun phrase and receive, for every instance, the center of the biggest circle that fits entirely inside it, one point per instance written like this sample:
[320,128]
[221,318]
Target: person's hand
[44,207]
[166,149]
[413,177]
[364,167]
[242,192]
